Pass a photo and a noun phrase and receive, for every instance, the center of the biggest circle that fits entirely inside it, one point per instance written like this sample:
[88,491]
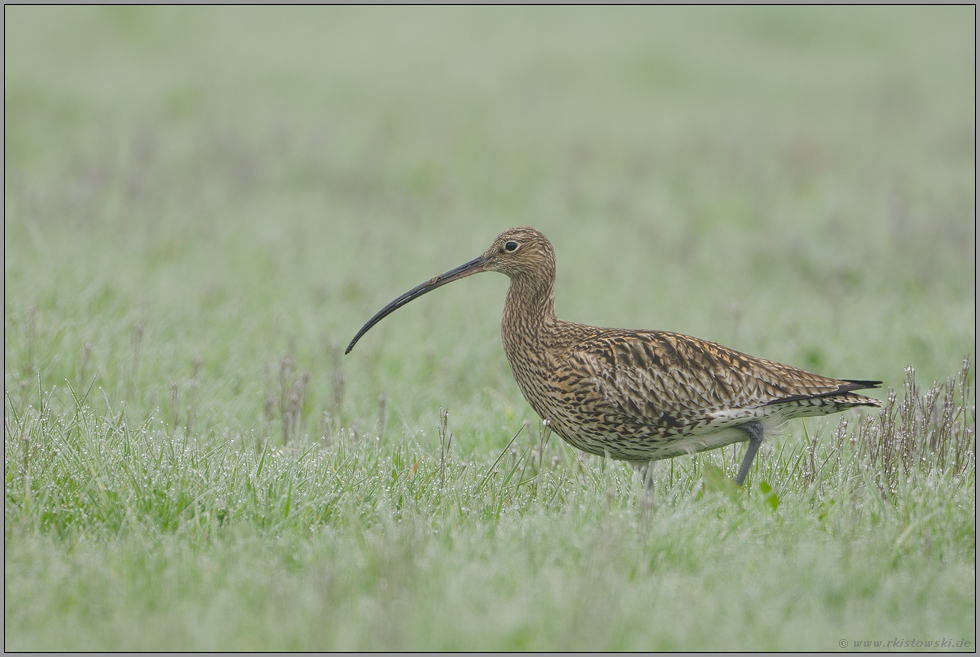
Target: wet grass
[202,207]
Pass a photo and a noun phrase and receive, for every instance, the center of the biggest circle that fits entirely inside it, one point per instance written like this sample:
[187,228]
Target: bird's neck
[529,308]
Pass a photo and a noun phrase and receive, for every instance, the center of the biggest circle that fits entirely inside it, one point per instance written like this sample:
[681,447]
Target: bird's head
[518,252]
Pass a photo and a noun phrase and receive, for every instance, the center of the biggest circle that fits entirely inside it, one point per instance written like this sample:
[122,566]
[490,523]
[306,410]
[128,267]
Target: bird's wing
[680,383]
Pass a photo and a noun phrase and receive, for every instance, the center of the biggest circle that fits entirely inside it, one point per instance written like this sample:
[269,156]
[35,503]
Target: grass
[203,205]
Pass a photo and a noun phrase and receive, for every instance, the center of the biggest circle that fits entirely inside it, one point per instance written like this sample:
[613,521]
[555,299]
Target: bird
[634,395]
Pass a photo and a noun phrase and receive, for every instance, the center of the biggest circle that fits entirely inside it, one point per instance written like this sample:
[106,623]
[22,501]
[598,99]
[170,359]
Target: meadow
[203,205]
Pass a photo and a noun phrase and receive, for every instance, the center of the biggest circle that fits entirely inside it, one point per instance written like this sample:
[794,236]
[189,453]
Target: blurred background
[194,194]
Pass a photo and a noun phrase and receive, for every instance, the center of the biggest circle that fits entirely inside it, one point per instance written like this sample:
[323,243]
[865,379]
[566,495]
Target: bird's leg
[645,470]
[754,429]
[648,475]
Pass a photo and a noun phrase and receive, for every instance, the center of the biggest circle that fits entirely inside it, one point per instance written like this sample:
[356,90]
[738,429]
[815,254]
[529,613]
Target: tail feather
[855,384]
[841,395]
[825,404]
[849,399]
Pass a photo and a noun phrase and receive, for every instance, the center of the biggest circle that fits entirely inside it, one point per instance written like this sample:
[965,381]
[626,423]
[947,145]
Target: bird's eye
[511,246]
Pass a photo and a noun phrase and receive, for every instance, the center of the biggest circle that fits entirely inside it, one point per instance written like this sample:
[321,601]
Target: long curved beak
[474,266]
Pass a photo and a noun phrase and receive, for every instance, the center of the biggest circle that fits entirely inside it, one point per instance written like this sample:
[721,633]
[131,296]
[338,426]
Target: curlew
[637,396]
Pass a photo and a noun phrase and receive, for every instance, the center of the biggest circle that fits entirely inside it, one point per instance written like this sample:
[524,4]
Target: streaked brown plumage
[637,396]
